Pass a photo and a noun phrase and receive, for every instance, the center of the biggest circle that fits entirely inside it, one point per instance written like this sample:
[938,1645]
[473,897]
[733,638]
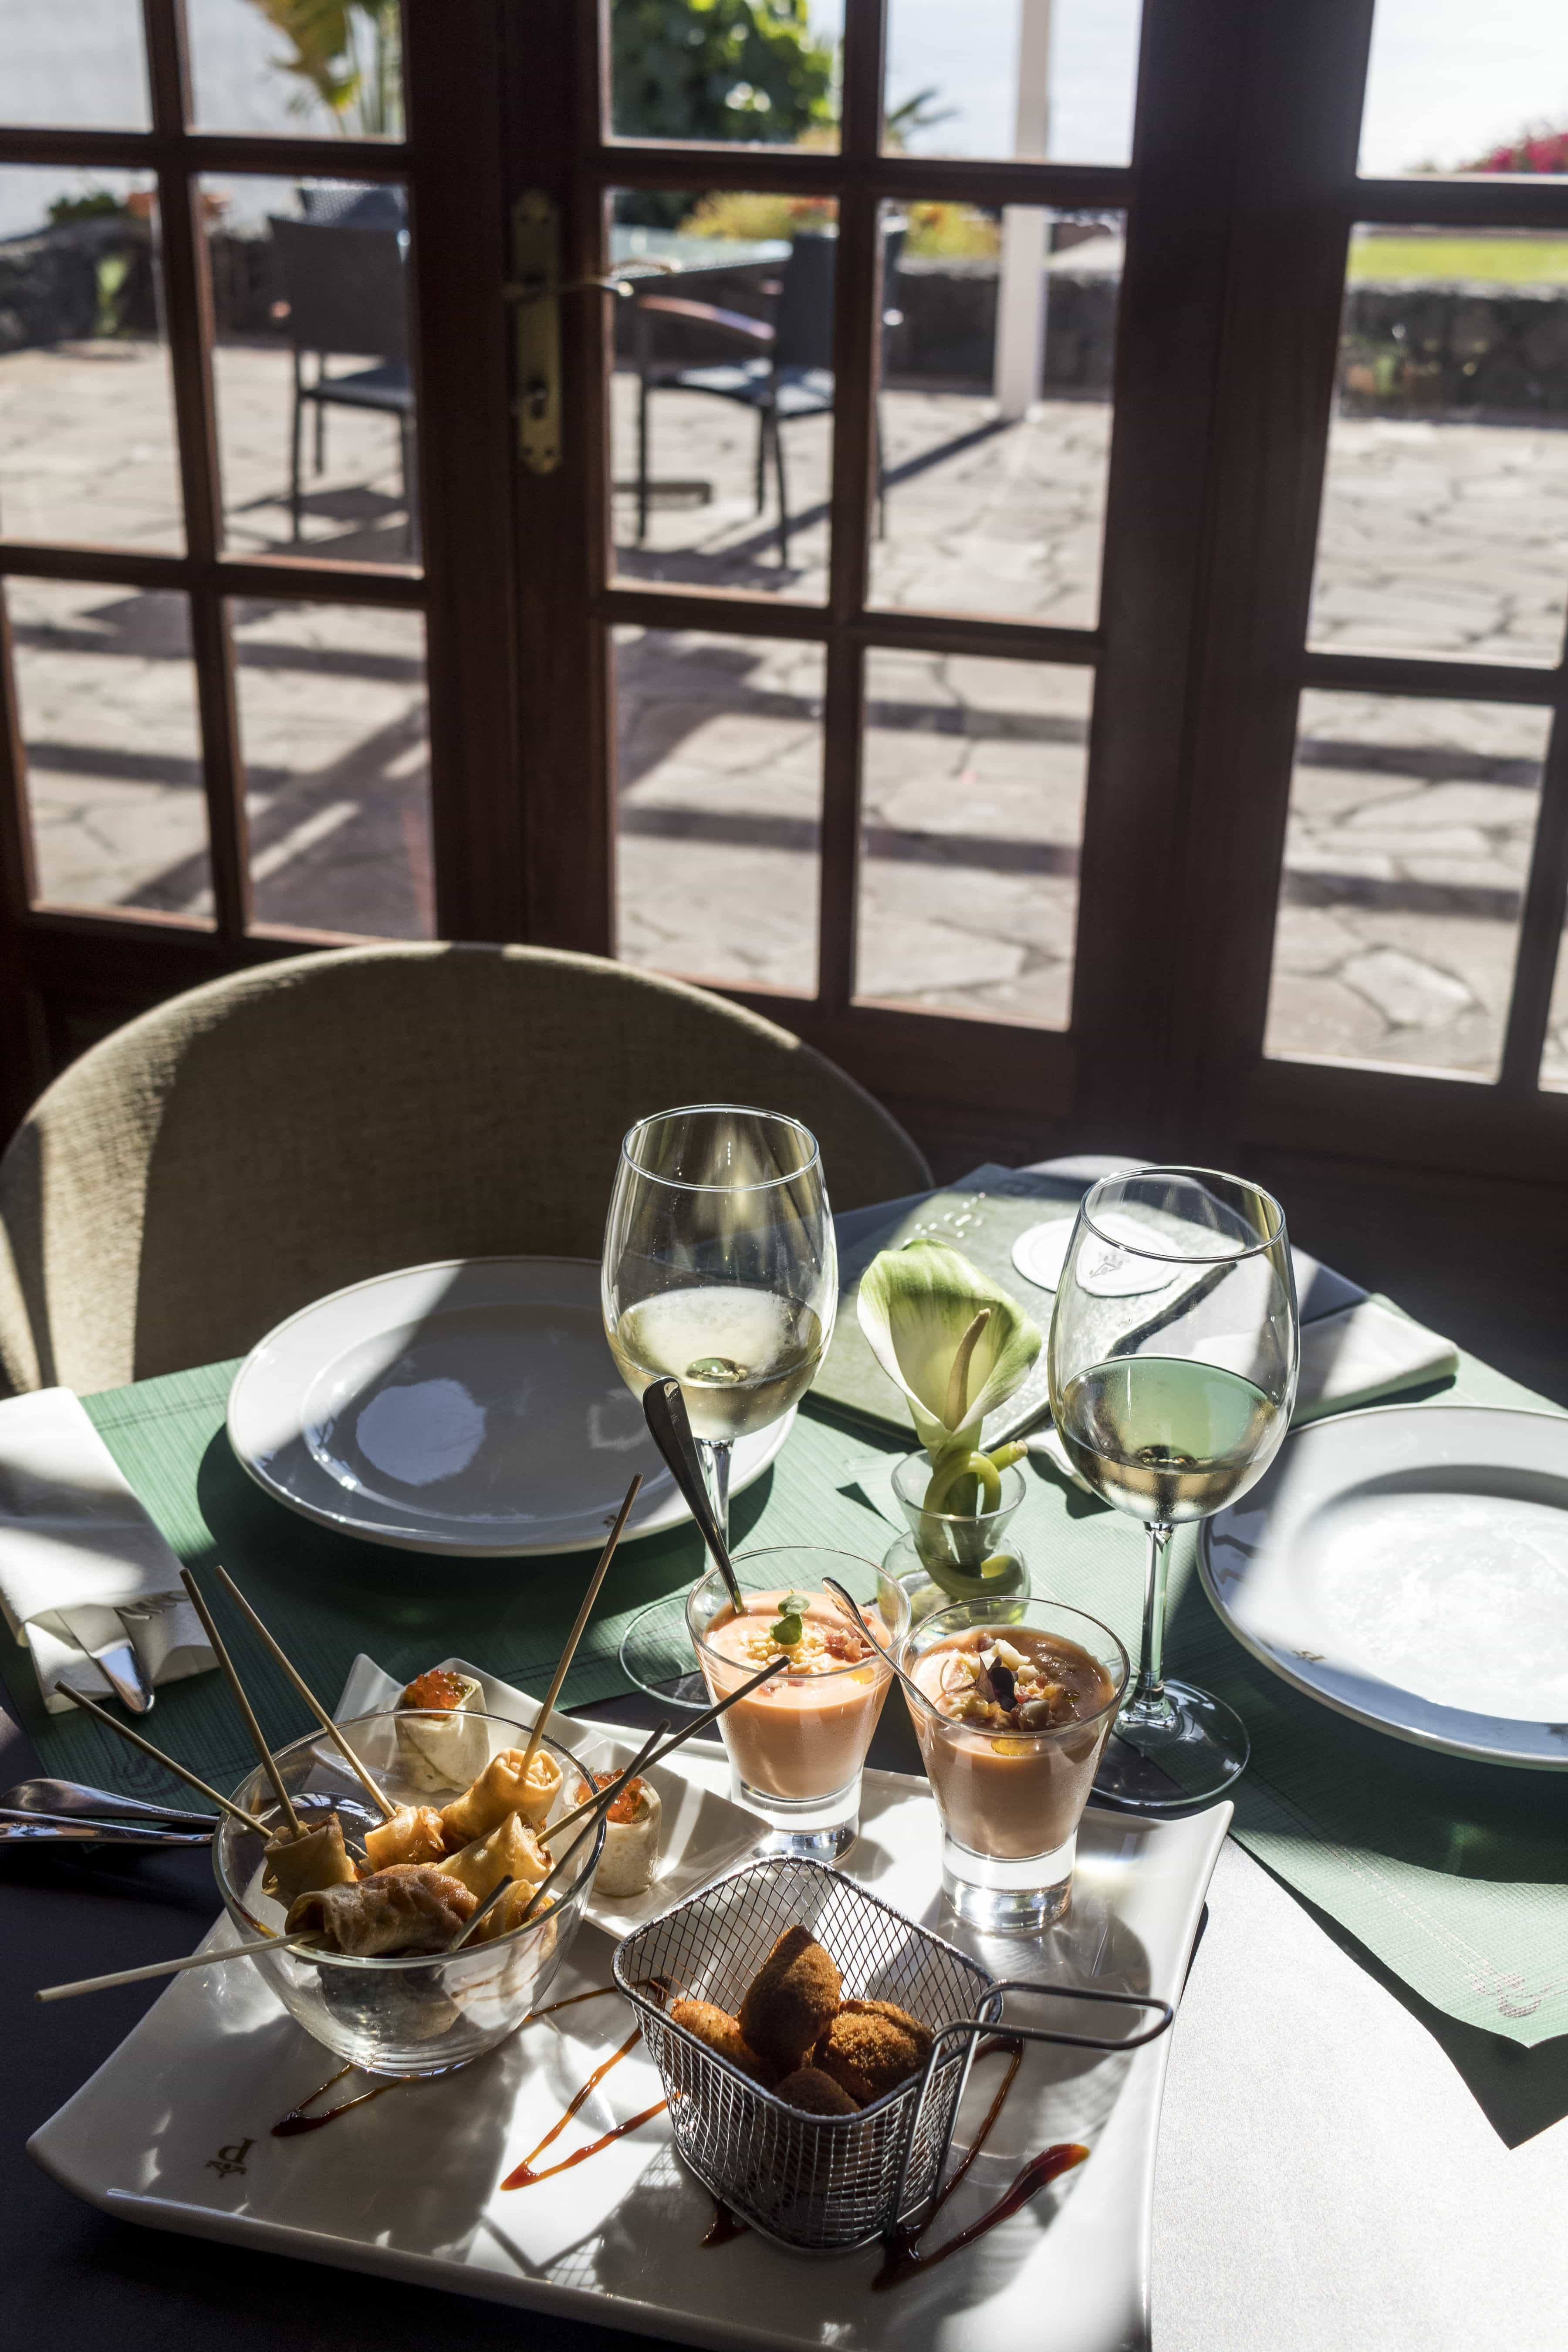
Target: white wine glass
[719,1267]
[1173,1355]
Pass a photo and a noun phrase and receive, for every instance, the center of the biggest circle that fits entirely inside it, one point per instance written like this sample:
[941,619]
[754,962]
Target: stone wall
[1461,350]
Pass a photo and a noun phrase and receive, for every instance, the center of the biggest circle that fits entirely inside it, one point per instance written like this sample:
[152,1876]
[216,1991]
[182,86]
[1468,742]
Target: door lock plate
[534,294]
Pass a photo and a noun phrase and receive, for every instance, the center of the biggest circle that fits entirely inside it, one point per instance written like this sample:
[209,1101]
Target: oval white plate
[1408,1565]
[471,1406]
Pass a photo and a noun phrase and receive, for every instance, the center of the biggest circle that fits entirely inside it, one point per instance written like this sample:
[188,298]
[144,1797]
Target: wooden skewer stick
[174,1967]
[268,1762]
[575,1635]
[192,1781]
[388,1809]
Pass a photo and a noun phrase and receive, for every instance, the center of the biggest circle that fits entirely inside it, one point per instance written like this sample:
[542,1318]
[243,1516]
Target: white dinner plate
[470,1407]
[1408,1565]
[175,2132]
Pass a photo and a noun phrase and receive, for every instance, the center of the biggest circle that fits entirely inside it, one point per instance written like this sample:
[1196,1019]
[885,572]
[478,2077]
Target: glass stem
[715,1453]
[1151,1677]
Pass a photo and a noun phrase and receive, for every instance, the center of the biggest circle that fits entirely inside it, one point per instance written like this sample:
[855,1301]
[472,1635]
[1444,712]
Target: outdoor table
[1340,2162]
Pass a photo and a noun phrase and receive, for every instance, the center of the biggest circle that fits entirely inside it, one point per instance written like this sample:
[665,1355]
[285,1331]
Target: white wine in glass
[720,1268]
[1174,1357]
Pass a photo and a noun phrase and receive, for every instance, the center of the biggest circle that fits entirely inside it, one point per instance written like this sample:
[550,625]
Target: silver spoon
[75,1797]
[853,1608]
[669,1425]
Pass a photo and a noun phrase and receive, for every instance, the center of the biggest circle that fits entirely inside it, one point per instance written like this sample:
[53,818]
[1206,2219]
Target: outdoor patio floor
[1412,821]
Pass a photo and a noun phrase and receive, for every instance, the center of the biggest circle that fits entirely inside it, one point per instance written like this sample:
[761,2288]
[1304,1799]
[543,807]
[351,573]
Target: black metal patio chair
[785,371]
[346,293]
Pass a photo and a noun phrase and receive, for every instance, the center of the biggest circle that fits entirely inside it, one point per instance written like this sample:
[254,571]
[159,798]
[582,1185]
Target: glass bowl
[412,2013]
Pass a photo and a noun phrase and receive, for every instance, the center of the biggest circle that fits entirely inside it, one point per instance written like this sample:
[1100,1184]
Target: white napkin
[79,1556]
[1348,1360]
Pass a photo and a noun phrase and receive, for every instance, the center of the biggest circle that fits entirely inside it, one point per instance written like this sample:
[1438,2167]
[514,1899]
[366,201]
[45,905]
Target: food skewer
[174,1967]
[575,1635]
[688,1731]
[267,1761]
[192,1779]
[388,1809]
[593,1807]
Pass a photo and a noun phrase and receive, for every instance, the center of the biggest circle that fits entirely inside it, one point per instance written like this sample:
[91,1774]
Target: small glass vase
[949,1555]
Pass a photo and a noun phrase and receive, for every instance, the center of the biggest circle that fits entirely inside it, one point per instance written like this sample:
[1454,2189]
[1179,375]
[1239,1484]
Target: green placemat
[1450,1872]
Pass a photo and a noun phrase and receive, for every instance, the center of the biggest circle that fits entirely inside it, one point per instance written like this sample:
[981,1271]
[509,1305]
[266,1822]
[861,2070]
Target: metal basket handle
[990,2020]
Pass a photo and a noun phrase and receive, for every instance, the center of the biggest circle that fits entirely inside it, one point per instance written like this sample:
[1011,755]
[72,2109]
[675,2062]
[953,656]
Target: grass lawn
[1494,260]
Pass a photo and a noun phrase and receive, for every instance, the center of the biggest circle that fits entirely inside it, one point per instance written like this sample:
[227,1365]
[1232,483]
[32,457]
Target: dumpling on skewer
[512,1849]
[441,1744]
[500,1790]
[414,1833]
[412,1907]
[316,1858]
[631,1839]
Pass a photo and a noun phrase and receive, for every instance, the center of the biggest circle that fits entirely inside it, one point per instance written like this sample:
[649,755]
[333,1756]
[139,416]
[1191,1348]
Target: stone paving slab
[1411,820]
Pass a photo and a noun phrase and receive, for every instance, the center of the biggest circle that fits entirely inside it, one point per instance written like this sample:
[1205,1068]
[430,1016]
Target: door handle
[534,290]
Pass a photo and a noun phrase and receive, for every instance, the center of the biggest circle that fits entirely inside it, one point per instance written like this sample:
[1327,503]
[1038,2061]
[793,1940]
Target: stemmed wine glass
[1173,1355]
[720,1267]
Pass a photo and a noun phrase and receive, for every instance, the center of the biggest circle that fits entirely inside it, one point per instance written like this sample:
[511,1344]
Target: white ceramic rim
[657,1519]
[1421,1723]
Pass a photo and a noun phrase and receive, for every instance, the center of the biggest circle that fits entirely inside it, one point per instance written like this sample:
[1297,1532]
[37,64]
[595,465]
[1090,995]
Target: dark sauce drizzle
[296,2121]
[903,2261]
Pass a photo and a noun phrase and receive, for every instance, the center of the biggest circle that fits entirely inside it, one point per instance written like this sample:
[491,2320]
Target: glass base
[655,1653]
[1007,1897]
[817,1829]
[827,1846]
[1172,1753]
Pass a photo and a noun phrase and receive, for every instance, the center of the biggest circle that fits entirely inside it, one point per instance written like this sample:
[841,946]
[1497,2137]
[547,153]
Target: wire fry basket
[820,2183]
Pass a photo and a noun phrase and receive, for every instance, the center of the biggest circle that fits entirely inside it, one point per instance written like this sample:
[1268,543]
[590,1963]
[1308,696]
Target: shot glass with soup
[797,1746]
[1017,1698]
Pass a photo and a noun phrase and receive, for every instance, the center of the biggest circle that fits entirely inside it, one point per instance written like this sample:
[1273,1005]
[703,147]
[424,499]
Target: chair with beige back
[250,1146]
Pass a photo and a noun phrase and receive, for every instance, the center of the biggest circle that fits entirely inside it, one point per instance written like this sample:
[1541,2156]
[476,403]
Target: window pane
[298,70]
[735,385]
[998,345]
[1458,88]
[107,697]
[1445,518]
[76,68]
[720,806]
[333,730]
[86,421]
[309,287]
[1038,77]
[1410,834]
[763,70]
[973,814]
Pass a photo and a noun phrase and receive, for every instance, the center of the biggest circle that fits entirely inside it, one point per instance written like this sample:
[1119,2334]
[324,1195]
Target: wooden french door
[265,683]
[1013,838]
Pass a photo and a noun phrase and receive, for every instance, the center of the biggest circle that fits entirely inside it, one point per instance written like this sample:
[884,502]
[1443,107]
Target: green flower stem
[946,1475]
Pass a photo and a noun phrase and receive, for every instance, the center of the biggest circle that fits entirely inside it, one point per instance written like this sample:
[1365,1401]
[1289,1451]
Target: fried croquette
[721,2032]
[809,2088]
[870,2048]
[791,1999]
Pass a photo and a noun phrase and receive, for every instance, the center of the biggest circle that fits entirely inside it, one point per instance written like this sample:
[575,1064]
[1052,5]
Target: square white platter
[174,2131]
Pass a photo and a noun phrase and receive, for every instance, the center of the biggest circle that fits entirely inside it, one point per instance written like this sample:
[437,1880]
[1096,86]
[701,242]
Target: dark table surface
[73,2280]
